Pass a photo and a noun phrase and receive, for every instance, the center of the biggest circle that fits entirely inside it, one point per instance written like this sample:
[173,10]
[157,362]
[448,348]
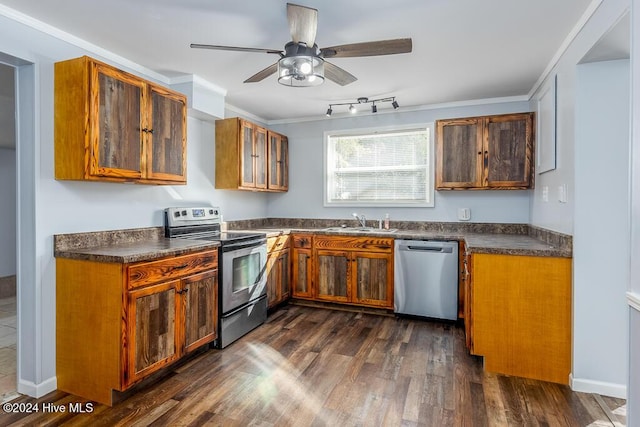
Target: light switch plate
[562,193]
[545,193]
[464,214]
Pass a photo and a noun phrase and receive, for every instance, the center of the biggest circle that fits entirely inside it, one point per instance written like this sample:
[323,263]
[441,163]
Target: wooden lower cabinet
[118,323]
[278,270]
[521,315]
[354,270]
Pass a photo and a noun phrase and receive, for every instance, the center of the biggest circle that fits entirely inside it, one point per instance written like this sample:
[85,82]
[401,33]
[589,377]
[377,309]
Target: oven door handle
[241,245]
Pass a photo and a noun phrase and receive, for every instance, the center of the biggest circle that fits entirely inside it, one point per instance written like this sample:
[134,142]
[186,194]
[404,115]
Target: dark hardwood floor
[319,367]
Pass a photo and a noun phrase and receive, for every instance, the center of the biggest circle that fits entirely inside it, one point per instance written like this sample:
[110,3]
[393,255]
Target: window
[379,168]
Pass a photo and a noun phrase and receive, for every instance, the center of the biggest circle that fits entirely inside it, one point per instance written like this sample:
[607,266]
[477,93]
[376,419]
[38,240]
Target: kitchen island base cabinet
[521,309]
[118,323]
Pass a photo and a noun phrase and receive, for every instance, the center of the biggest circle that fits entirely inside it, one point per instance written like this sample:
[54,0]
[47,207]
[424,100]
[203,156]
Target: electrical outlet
[464,214]
[545,193]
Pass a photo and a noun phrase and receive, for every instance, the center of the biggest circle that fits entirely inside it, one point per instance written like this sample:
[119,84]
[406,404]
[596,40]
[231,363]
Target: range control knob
[176,214]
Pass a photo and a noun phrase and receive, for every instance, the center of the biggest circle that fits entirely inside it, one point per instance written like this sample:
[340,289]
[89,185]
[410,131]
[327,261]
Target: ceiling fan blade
[381,47]
[261,75]
[234,48]
[337,74]
[303,23]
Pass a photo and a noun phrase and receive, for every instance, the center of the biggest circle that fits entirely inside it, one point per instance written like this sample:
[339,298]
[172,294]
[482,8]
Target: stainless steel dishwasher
[426,278]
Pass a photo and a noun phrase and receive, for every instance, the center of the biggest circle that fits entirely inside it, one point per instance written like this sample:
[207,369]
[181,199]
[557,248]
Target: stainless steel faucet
[361,219]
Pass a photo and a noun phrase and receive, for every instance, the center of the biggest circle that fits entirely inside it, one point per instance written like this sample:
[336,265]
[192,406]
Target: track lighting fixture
[362,100]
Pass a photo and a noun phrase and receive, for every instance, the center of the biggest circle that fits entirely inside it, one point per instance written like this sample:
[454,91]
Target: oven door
[243,273]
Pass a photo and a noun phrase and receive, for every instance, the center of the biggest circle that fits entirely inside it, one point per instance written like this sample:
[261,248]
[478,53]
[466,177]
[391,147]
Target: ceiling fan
[303,63]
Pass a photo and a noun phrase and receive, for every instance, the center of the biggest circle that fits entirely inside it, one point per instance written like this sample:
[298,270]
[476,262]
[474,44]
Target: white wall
[601,255]
[306,172]
[554,215]
[55,207]
[7,212]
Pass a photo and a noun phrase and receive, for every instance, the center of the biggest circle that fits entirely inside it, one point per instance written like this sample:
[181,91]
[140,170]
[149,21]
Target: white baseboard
[599,387]
[37,390]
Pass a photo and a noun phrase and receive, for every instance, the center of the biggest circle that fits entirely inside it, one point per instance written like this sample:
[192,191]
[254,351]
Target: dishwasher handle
[426,248]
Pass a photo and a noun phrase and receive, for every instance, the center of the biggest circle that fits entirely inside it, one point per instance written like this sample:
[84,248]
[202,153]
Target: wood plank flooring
[319,367]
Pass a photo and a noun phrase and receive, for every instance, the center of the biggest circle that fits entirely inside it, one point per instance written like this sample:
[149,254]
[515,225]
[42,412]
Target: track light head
[374,108]
[395,105]
[329,111]
[352,109]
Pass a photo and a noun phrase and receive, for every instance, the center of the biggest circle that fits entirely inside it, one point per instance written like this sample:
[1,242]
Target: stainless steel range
[242,261]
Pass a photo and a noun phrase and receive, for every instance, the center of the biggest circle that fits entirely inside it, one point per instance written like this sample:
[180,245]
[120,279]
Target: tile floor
[8,348]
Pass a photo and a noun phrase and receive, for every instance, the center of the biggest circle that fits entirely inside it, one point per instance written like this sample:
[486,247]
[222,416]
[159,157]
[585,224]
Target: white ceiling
[462,49]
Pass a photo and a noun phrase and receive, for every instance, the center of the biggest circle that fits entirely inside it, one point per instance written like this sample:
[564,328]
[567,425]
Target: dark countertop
[148,248]
[494,243]
[134,245]
[139,251]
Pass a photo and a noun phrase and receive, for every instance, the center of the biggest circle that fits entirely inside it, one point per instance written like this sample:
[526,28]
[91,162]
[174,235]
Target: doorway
[8,249]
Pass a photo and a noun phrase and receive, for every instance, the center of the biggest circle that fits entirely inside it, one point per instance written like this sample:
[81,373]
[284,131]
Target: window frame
[430,191]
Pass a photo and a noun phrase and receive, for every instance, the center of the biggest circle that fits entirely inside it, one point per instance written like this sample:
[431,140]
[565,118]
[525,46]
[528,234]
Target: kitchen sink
[361,229]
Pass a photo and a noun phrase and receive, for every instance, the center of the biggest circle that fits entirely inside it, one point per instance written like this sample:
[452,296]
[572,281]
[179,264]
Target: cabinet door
[260,157]
[278,281]
[302,273]
[200,294]
[459,153]
[116,136]
[373,279]
[247,154]
[152,320]
[278,162]
[507,156]
[166,132]
[333,274]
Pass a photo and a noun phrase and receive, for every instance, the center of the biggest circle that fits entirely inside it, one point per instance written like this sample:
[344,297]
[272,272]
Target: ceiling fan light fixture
[300,71]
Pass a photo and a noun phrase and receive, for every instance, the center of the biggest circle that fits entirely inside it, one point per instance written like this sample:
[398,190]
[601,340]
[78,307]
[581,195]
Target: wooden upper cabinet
[249,157]
[491,152]
[113,126]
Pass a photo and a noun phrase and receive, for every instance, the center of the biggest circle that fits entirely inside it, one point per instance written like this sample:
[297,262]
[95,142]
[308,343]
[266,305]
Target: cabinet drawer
[369,244]
[277,243]
[302,241]
[146,273]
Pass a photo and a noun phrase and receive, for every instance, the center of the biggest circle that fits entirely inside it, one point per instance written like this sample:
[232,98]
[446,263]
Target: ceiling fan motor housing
[300,66]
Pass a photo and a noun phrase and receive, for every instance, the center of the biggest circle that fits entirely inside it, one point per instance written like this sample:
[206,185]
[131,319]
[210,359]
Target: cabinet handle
[180,267]
[184,291]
